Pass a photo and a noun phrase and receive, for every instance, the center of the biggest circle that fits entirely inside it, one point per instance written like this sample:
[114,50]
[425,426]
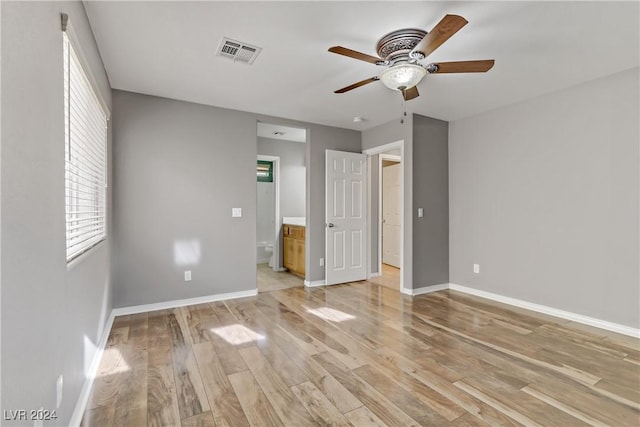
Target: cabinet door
[299,256]
[289,253]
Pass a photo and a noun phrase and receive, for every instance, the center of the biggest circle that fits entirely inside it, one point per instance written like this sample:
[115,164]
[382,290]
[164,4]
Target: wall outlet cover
[236,212]
[187,276]
[476,268]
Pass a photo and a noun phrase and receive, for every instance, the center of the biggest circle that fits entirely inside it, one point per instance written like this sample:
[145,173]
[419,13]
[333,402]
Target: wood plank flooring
[362,355]
[390,277]
[269,280]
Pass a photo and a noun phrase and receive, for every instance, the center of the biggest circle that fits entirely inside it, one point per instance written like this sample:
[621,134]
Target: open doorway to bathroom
[280,216]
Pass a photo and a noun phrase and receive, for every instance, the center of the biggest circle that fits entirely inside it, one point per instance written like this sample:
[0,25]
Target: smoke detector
[238,51]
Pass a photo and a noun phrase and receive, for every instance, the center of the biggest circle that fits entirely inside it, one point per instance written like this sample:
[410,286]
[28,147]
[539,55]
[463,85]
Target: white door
[391,214]
[345,216]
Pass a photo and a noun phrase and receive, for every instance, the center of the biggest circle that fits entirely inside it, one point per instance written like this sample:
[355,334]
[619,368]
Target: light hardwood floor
[269,280]
[390,277]
[362,355]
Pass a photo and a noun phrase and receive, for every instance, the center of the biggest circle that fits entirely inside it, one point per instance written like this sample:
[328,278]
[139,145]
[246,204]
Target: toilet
[264,253]
[269,250]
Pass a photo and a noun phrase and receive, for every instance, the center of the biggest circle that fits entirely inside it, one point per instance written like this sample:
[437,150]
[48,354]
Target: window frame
[269,176]
[86,120]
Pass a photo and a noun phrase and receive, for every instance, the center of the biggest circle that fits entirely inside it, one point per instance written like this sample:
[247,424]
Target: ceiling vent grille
[238,51]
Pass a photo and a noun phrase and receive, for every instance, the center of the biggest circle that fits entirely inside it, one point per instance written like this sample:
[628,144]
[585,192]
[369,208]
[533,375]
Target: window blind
[85,158]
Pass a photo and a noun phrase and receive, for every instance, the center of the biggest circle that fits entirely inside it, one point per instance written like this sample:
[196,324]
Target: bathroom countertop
[294,220]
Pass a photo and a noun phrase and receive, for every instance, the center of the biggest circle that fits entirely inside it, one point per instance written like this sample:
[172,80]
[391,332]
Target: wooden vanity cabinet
[294,254]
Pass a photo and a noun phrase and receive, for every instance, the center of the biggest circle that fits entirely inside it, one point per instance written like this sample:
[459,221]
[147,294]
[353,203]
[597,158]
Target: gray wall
[52,314]
[292,173]
[544,196]
[179,169]
[431,192]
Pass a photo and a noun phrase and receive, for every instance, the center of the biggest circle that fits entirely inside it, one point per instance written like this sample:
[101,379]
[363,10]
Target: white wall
[53,314]
[544,196]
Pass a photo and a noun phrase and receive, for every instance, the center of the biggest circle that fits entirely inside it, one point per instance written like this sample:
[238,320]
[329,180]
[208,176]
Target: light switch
[236,212]
[420,212]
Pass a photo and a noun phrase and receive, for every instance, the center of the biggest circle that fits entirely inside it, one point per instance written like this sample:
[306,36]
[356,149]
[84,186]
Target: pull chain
[404,109]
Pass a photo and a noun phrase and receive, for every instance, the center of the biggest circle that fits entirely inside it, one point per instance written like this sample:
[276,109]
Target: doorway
[281,176]
[387,215]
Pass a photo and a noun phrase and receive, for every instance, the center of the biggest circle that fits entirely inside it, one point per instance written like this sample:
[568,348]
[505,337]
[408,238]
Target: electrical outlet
[236,212]
[476,268]
[420,212]
[321,262]
[59,384]
[187,276]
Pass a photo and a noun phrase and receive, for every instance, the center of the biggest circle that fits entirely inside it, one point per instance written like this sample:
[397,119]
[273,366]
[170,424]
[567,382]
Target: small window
[85,158]
[265,171]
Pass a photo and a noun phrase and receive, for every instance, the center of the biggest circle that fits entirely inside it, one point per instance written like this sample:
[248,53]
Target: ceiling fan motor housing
[396,46]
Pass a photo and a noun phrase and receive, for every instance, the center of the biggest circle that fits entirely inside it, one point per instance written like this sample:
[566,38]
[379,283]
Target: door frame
[381,158]
[381,150]
[277,259]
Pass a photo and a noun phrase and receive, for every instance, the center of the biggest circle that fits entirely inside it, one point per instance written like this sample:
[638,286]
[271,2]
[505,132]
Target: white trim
[426,289]
[279,269]
[372,275]
[591,321]
[383,148]
[314,283]
[134,309]
[85,392]
[277,262]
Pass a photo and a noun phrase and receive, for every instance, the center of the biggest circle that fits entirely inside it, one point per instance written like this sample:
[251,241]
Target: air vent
[238,51]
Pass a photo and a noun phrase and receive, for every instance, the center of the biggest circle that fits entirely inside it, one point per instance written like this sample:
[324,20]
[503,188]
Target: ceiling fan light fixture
[402,76]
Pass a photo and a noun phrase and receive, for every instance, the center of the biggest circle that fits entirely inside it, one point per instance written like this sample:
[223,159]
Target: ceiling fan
[403,50]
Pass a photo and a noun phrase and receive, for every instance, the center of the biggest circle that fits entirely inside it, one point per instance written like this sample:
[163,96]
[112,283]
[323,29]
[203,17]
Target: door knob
[330,225]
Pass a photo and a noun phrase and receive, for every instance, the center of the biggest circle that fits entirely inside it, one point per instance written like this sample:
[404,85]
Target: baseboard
[372,275]
[425,289]
[85,392]
[591,321]
[182,302]
[314,283]
[279,269]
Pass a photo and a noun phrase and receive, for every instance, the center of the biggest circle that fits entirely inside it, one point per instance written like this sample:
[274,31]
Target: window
[265,171]
[85,157]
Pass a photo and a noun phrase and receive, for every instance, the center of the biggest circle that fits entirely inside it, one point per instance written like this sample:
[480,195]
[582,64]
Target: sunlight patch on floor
[113,362]
[330,314]
[237,334]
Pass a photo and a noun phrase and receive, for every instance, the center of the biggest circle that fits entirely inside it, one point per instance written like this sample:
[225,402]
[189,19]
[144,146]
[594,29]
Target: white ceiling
[285,133]
[168,49]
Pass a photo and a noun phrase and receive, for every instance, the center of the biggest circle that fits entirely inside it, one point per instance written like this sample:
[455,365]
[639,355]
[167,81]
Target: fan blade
[355,54]
[410,93]
[462,66]
[447,27]
[356,85]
